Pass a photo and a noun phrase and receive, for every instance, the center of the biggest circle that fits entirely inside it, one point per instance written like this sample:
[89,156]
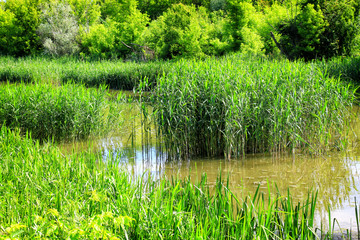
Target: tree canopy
[168,29]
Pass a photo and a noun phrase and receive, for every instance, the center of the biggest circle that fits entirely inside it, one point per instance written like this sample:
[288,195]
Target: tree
[7,28]
[86,12]
[156,8]
[243,24]
[321,29]
[100,40]
[19,22]
[181,31]
[130,22]
[301,36]
[59,29]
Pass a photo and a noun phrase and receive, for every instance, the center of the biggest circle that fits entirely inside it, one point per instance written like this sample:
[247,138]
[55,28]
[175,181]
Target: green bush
[301,36]
[319,28]
[86,12]
[181,31]
[19,22]
[269,21]
[157,8]
[58,30]
[130,23]
[100,41]
[7,28]
[242,27]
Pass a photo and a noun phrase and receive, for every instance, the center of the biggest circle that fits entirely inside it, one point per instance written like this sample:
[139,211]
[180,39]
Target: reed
[48,112]
[47,195]
[346,68]
[113,74]
[237,105]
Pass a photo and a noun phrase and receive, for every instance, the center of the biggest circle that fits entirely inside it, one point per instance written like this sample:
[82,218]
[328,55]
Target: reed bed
[114,74]
[60,113]
[347,69]
[44,194]
[238,105]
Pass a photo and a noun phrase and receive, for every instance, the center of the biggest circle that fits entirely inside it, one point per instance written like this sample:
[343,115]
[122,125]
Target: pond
[334,175]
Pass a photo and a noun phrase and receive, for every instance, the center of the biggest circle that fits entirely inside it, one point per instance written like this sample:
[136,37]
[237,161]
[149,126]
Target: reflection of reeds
[45,194]
[62,112]
[238,105]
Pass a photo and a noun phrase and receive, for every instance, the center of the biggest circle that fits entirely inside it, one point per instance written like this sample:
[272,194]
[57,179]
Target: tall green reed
[238,105]
[114,74]
[66,112]
[44,194]
[348,69]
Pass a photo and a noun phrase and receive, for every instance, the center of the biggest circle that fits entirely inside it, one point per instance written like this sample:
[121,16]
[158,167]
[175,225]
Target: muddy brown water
[335,175]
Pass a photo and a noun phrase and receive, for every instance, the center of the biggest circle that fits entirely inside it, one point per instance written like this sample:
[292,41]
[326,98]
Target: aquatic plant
[237,105]
[348,69]
[114,74]
[66,112]
[45,194]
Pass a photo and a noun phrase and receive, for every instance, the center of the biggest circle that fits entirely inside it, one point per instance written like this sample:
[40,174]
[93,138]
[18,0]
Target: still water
[335,176]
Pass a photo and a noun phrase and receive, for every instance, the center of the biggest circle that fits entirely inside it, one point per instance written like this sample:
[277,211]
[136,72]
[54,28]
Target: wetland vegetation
[219,92]
[47,193]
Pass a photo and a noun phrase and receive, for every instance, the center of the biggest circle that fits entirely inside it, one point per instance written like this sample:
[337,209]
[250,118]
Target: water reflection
[336,177]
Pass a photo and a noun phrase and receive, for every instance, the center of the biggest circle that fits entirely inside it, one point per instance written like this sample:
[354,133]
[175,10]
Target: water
[336,176]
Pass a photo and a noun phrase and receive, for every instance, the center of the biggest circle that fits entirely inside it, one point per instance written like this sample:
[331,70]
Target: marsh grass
[348,69]
[44,194]
[59,113]
[114,74]
[238,105]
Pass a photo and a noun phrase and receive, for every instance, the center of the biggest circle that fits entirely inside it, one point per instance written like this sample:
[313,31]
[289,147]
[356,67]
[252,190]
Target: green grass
[66,112]
[347,69]
[46,195]
[114,74]
[237,105]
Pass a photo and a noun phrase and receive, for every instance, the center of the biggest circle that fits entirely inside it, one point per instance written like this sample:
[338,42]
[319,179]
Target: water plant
[114,74]
[45,194]
[237,105]
[66,112]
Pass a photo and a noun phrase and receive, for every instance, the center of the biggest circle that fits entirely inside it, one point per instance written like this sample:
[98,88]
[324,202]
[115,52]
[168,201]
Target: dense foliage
[146,29]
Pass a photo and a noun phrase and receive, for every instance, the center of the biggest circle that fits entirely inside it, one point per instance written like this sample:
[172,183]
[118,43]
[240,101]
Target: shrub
[130,23]
[86,12]
[21,19]
[216,5]
[58,30]
[301,36]
[100,40]
[7,28]
[242,25]
[181,31]
[272,17]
